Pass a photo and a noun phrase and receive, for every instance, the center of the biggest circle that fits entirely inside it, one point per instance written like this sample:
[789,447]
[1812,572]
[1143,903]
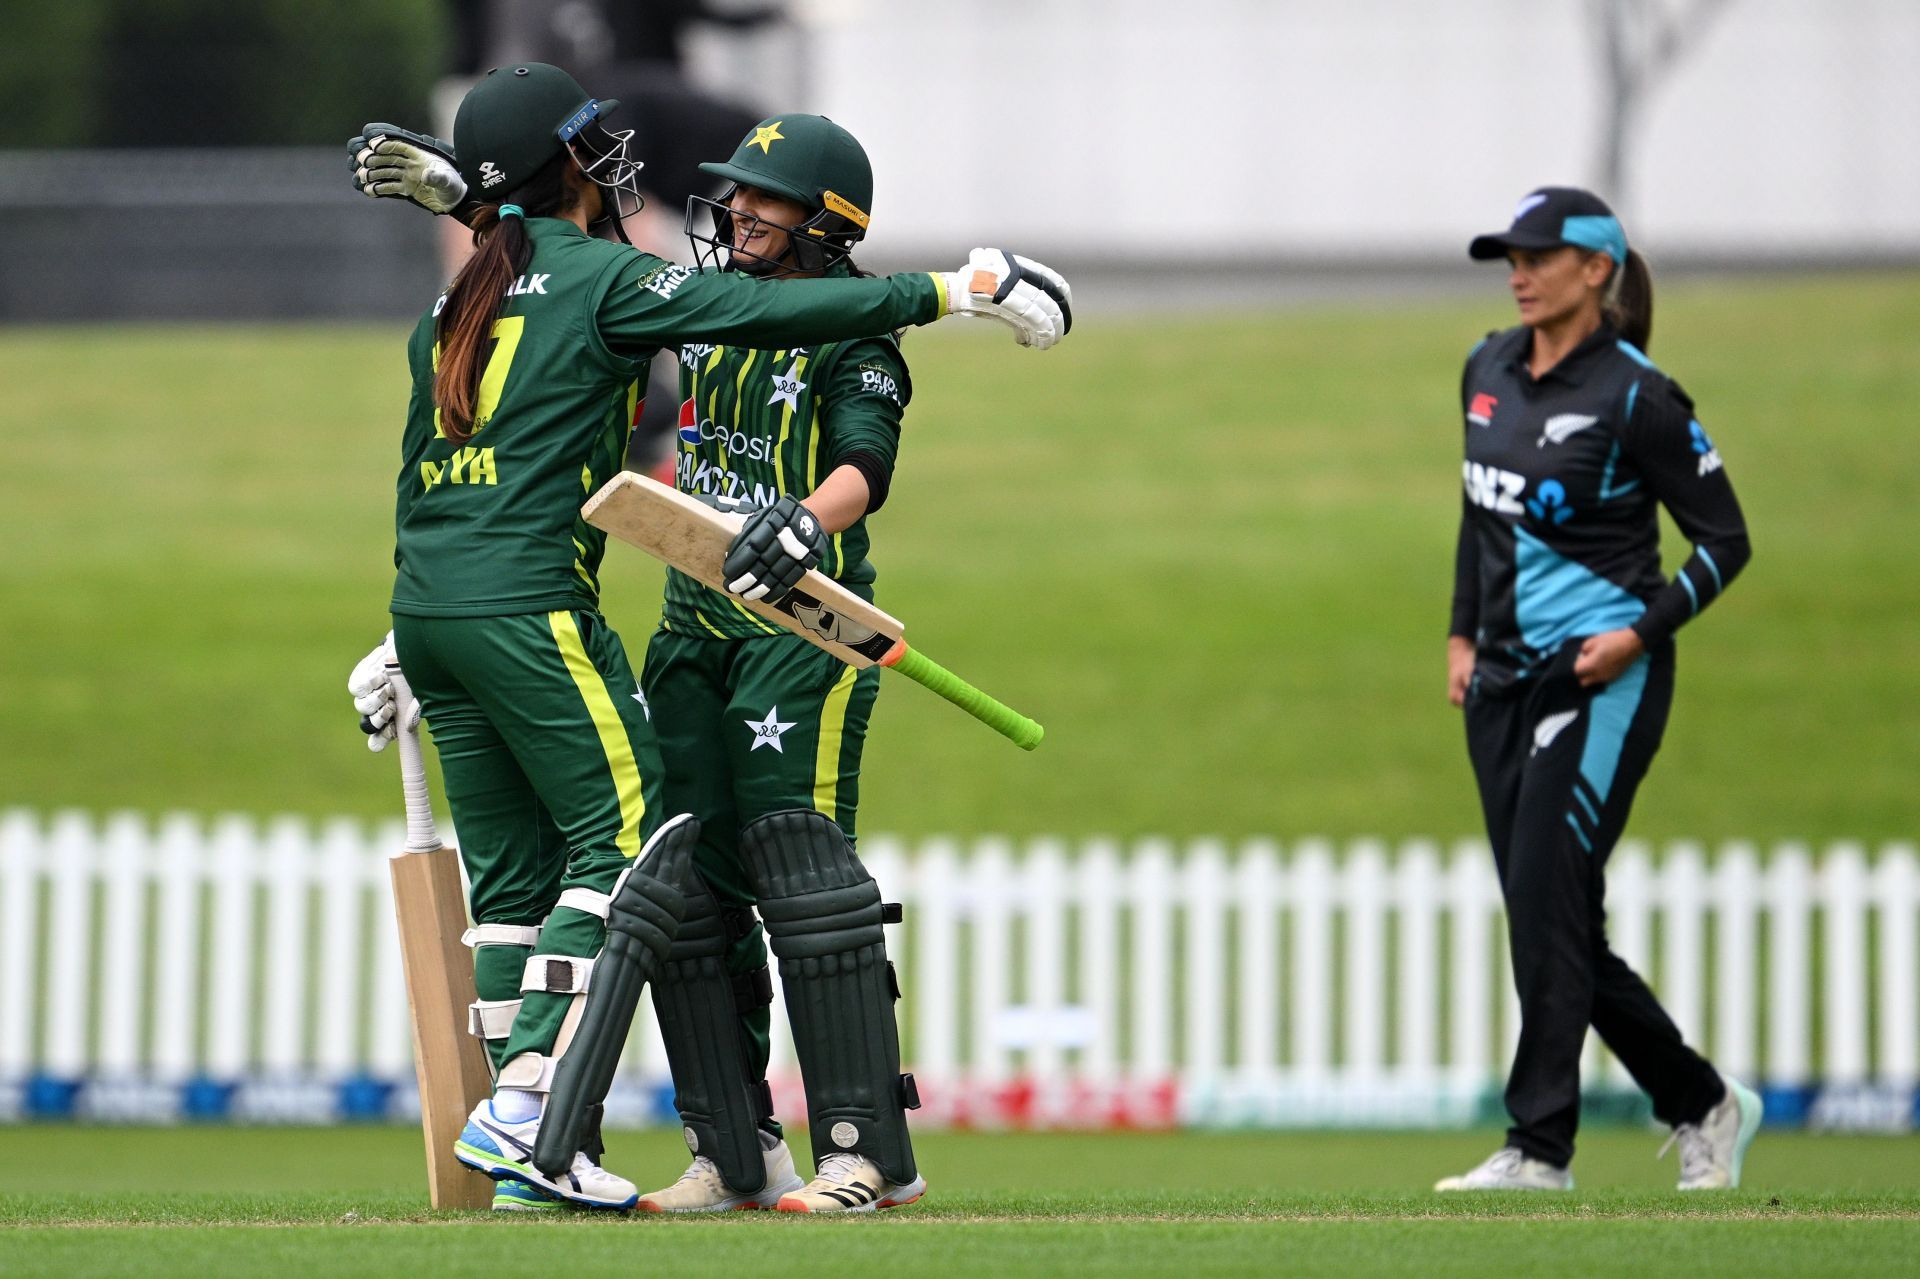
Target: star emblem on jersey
[787,386]
[766,732]
[765,136]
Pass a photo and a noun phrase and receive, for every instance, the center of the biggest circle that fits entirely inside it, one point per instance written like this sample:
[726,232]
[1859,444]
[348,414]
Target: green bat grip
[1002,719]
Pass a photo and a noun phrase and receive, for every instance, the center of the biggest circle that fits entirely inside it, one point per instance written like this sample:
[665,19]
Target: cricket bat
[693,537]
[431,906]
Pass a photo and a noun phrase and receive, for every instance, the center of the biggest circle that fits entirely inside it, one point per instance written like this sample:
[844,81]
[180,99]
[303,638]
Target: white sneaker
[850,1183]
[702,1189]
[1712,1150]
[1509,1169]
[504,1151]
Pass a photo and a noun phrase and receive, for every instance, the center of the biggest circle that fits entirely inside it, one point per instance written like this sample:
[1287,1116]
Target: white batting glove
[1032,299]
[372,689]
[390,162]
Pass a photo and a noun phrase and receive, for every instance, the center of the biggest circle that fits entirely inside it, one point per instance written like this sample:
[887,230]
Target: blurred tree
[1640,40]
[214,72]
[49,73]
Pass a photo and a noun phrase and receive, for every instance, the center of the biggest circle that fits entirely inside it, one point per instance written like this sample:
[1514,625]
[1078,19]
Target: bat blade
[430,910]
[449,1064]
[693,537]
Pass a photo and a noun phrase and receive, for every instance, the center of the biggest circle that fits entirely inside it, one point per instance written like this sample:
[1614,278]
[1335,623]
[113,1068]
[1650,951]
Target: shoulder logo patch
[1480,411]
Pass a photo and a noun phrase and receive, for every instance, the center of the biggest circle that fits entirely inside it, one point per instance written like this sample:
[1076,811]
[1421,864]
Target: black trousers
[1558,766]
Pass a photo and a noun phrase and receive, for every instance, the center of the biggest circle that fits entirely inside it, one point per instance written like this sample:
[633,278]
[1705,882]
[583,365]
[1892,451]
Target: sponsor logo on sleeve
[665,279]
[1480,411]
[1703,447]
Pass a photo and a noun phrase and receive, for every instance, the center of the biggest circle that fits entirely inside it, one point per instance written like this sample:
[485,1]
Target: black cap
[1554,216]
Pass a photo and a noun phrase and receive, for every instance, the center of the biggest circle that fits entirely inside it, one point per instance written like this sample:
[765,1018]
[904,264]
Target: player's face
[760,222]
[1551,286]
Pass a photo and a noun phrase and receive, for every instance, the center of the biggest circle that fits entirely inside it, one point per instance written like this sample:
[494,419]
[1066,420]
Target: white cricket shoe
[1509,1169]
[702,1189]
[850,1183]
[504,1152]
[1712,1150]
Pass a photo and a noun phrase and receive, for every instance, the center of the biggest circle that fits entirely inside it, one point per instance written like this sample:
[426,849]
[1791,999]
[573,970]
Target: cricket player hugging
[559,768]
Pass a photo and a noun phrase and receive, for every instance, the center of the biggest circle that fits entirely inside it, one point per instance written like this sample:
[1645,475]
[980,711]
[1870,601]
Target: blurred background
[1207,541]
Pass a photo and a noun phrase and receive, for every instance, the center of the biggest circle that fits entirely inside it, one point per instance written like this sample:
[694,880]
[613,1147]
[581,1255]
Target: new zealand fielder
[1561,650]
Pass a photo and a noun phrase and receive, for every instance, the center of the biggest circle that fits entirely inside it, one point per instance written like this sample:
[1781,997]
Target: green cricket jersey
[756,424]
[493,526]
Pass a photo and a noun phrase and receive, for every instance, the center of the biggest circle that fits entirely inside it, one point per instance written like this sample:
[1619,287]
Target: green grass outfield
[1212,556]
[205,1202]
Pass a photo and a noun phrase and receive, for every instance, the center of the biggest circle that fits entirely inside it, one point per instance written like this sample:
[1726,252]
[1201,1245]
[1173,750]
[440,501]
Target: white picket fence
[1148,983]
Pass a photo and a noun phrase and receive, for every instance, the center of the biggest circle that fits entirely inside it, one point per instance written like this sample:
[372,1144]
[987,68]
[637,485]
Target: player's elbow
[1730,555]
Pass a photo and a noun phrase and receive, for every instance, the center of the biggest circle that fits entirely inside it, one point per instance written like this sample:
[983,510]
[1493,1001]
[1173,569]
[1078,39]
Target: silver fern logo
[1562,426]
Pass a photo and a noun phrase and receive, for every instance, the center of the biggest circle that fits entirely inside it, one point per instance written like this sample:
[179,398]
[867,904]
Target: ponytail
[465,323]
[1628,304]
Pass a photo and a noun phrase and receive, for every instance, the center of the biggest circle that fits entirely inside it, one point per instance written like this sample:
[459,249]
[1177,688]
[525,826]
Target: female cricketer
[761,731]
[525,384]
[1561,651]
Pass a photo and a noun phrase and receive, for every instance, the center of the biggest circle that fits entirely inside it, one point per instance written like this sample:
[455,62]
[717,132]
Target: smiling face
[1552,287]
[761,235]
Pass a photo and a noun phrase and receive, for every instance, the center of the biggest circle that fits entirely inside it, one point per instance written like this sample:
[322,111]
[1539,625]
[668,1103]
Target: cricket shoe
[521,1196]
[1712,1150]
[850,1183]
[1509,1169]
[504,1152]
[702,1189]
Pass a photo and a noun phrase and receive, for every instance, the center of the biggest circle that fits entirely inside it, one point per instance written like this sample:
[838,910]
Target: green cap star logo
[765,136]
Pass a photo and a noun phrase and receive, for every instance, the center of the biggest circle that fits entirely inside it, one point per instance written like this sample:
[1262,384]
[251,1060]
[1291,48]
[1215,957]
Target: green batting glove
[388,161]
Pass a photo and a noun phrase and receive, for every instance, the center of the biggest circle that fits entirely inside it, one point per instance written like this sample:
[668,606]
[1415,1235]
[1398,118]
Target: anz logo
[1497,490]
[1703,448]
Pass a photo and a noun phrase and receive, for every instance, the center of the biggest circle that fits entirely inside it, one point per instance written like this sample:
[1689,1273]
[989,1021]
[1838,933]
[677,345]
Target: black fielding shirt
[1563,480]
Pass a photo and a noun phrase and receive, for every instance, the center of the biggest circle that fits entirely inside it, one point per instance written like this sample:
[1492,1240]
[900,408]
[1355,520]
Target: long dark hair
[502,250]
[1628,301]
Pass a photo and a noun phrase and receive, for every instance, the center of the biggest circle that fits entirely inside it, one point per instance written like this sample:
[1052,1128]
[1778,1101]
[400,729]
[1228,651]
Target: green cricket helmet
[518,118]
[807,159]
